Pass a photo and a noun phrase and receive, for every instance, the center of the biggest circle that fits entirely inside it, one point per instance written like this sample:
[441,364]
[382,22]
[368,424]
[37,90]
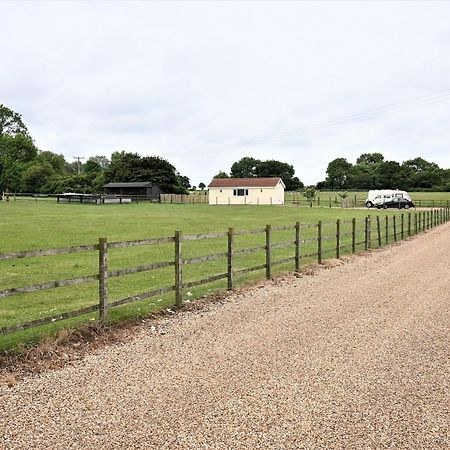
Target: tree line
[372,171]
[25,168]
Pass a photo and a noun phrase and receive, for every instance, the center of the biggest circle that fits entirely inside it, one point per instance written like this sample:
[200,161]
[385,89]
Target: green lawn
[422,199]
[27,225]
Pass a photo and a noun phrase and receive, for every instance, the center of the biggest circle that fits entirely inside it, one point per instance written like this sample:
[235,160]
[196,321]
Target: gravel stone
[354,357]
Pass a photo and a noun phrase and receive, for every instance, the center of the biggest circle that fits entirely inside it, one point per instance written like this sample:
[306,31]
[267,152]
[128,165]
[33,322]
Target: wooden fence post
[415,223]
[431,218]
[379,231]
[103,279]
[369,232]
[338,238]
[387,229]
[268,252]
[178,269]
[366,234]
[402,230]
[297,246]
[353,235]
[395,227]
[409,224]
[230,257]
[319,242]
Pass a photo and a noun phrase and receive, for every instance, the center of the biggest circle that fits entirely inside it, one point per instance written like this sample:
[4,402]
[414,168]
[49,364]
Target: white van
[378,197]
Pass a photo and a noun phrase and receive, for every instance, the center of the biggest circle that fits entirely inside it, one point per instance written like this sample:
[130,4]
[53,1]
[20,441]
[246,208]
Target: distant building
[132,188]
[246,191]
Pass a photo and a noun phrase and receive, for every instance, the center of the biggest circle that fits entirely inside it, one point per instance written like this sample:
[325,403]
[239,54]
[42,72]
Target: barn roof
[129,184]
[245,182]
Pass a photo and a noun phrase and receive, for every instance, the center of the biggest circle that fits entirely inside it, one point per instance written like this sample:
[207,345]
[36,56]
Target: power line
[353,118]
[373,113]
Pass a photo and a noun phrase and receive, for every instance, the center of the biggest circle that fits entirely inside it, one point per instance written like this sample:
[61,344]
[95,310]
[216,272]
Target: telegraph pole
[78,158]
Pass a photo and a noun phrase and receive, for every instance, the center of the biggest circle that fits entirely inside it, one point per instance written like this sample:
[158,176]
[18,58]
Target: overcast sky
[198,82]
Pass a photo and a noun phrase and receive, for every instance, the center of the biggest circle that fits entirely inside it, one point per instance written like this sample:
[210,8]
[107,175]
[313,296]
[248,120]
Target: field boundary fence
[308,242]
[202,197]
[352,201]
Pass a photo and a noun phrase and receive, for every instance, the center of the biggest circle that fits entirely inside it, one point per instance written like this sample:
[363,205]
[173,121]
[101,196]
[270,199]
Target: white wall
[256,196]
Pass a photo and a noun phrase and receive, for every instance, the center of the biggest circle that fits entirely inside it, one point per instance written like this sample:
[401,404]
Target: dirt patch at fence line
[353,357]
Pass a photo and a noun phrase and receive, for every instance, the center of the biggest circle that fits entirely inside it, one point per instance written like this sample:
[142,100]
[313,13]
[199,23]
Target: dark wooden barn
[141,188]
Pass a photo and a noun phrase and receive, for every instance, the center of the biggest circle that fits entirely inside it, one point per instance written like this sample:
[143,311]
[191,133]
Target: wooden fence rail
[335,233]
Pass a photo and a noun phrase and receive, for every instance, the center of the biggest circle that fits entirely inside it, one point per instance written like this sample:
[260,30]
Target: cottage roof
[245,182]
[129,184]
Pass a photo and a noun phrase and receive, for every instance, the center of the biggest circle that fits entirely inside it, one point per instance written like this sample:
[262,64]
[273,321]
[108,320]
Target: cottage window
[240,192]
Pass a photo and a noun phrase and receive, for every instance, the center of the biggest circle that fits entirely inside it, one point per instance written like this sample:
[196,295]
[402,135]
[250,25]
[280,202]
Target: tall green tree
[132,167]
[339,173]
[370,158]
[16,152]
[11,123]
[245,168]
[274,168]
[422,174]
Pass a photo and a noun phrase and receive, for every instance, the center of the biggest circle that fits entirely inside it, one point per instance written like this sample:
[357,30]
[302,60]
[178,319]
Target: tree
[370,158]
[310,194]
[391,176]
[221,175]
[16,152]
[245,168]
[132,167]
[57,162]
[201,186]
[422,174]
[91,166]
[11,123]
[35,177]
[274,168]
[184,181]
[249,167]
[102,161]
[339,173]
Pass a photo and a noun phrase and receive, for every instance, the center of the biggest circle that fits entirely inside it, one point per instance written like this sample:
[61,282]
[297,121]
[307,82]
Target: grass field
[27,225]
[422,198]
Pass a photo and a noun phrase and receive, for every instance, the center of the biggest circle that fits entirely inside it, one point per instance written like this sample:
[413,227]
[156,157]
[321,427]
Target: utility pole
[78,158]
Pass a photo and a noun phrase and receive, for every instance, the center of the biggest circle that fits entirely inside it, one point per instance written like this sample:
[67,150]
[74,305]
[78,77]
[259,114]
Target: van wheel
[406,206]
[385,206]
[369,204]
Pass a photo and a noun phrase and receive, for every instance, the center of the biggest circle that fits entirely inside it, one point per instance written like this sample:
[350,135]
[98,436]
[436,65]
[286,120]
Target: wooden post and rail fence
[304,238]
[202,197]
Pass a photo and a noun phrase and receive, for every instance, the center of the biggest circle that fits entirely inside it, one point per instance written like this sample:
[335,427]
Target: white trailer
[380,196]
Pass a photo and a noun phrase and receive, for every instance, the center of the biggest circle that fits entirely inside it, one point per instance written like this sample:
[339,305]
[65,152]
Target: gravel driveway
[353,357]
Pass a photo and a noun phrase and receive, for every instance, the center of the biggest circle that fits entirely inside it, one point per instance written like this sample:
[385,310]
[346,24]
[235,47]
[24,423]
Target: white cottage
[246,191]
